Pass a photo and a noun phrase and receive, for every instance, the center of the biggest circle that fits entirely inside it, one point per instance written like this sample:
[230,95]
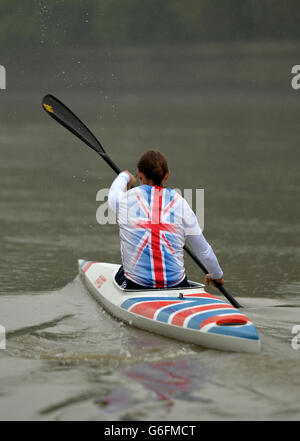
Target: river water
[228,121]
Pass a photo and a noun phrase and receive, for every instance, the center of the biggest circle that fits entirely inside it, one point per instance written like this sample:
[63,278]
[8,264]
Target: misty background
[137,22]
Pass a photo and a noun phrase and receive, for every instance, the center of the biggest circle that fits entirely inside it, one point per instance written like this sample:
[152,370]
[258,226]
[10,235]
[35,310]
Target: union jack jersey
[154,223]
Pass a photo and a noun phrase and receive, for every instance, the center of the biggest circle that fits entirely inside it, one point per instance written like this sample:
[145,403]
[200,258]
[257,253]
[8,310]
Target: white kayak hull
[186,314]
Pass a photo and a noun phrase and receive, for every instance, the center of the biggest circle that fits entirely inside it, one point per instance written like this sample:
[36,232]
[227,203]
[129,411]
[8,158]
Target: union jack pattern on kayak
[202,312]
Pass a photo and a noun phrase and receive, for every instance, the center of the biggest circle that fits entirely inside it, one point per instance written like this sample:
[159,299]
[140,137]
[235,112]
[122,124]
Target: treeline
[27,23]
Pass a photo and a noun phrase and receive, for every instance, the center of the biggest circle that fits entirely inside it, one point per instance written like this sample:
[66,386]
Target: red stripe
[221,320]
[202,295]
[155,239]
[180,316]
[153,226]
[148,309]
[87,266]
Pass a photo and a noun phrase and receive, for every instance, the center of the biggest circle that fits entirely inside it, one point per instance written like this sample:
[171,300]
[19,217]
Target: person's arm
[201,247]
[123,182]
[117,190]
[206,255]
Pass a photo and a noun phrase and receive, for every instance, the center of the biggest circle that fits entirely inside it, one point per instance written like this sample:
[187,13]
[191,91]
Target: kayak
[187,314]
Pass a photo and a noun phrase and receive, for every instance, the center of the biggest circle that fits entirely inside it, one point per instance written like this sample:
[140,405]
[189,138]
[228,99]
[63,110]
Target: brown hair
[154,166]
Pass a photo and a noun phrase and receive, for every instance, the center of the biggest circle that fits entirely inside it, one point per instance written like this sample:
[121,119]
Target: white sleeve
[117,191]
[199,244]
[206,255]
[190,221]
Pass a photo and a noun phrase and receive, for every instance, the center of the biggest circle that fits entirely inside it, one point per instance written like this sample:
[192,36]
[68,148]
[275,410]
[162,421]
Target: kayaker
[154,222]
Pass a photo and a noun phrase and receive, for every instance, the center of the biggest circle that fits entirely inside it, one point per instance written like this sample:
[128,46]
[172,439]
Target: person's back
[154,223]
[153,238]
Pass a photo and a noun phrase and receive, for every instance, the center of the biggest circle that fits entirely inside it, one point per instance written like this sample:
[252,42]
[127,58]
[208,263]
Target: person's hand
[132,180]
[209,279]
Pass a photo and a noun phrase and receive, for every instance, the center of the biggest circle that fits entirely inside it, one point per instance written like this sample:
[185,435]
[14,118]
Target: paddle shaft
[111,163]
[61,113]
[220,287]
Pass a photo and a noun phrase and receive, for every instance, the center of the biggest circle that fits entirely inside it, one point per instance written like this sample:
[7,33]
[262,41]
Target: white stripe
[153,301]
[162,259]
[161,239]
[150,241]
[207,327]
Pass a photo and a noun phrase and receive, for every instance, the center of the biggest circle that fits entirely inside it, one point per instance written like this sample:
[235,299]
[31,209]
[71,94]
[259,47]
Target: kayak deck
[187,314]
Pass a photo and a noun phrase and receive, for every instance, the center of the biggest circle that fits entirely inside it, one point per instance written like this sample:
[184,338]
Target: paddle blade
[57,110]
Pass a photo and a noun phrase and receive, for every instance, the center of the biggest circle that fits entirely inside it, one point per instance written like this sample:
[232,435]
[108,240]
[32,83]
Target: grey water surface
[228,122]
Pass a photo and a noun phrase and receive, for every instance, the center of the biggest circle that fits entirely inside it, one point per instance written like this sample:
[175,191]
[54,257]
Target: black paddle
[70,121]
[55,108]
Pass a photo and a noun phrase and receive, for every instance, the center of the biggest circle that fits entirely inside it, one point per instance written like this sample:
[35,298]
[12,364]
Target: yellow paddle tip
[48,108]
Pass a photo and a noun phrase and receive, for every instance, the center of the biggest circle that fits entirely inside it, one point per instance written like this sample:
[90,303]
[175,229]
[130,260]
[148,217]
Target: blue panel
[246,331]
